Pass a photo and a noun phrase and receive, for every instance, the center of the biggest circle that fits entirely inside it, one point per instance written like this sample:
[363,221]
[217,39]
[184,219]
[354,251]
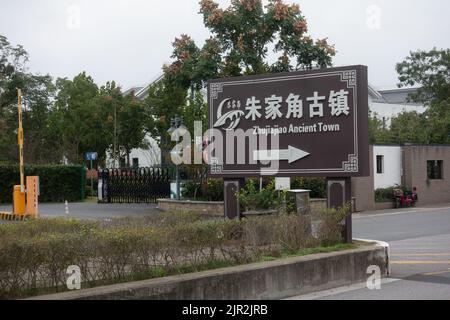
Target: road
[419,240]
[91,210]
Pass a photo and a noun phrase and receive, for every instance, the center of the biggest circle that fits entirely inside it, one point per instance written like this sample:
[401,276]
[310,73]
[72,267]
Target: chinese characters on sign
[337,102]
[311,123]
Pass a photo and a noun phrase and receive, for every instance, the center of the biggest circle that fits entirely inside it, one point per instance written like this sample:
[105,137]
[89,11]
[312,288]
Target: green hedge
[387,194]
[57,182]
[316,185]
[35,254]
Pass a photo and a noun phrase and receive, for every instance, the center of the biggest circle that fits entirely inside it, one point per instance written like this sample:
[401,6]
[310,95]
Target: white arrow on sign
[291,154]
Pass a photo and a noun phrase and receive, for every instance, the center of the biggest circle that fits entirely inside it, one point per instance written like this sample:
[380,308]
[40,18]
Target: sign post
[91,156]
[307,123]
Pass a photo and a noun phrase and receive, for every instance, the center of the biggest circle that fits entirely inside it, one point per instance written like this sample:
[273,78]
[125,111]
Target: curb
[276,279]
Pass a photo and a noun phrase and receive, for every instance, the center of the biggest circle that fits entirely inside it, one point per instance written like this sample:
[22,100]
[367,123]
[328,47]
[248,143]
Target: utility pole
[20,140]
[115,135]
[176,123]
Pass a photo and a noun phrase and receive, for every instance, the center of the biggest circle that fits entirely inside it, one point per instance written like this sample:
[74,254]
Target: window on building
[136,162]
[380,164]
[434,168]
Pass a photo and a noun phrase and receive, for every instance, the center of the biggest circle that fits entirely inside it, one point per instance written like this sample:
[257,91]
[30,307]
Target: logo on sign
[232,117]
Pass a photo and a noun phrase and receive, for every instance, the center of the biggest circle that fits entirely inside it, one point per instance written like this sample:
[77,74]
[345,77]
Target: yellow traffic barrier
[32,196]
[18,201]
[25,201]
[8,216]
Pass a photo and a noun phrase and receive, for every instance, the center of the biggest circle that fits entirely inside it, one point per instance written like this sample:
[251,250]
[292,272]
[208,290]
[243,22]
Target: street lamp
[176,123]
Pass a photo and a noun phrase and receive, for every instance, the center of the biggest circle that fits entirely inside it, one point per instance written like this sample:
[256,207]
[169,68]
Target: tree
[378,131]
[165,101]
[408,127]
[38,93]
[241,37]
[81,118]
[430,71]
[39,136]
[131,120]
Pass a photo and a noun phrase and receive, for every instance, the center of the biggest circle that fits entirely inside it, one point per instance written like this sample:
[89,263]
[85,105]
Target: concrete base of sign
[339,191]
[297,201]
[231,203]
[214,208]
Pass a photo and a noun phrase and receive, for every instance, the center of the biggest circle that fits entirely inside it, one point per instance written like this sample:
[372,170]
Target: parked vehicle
[404,199]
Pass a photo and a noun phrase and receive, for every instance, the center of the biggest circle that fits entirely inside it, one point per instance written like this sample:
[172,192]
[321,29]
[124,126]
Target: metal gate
[135,185]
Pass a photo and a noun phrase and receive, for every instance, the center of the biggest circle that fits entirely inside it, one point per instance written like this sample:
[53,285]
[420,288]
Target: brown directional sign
[308,123]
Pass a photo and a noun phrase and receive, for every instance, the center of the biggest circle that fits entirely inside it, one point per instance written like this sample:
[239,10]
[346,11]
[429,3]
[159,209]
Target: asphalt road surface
[419,240]
[91,210]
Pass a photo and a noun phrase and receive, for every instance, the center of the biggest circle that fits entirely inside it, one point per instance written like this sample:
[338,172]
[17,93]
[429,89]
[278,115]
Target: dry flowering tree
[241,37]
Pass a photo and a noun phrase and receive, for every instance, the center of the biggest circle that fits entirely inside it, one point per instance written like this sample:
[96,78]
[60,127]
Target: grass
[308,251]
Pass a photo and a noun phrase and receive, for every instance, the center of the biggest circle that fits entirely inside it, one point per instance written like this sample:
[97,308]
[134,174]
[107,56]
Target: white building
[387,166]
[387,104]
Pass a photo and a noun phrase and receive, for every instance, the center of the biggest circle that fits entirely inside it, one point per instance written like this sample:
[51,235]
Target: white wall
[392,166]
[389,110]
[148,157]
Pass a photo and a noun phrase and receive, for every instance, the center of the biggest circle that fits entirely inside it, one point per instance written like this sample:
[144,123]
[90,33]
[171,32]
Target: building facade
[424,167]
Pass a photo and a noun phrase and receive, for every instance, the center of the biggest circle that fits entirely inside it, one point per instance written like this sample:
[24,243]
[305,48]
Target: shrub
[316,185]
[387,194]
[34,255]
[57,182]
[252,198]
[329,230]
[206,190]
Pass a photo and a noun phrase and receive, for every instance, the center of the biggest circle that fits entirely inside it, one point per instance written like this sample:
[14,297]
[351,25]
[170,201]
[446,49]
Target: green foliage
[240,42]
[329,230]
[387,194]
[209,190]
[384,194]
[429,72]
[38,92]
[244,32]
[406,127]
[378,130]
[252,198]
[167,99]
[35,254]
[57,183]
[65,118]
[316,185]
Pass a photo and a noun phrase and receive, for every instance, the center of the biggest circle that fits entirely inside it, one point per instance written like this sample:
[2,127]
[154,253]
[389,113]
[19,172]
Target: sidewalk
[418,208]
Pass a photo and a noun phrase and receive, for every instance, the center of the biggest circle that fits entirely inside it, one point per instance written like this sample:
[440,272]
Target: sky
[128,41]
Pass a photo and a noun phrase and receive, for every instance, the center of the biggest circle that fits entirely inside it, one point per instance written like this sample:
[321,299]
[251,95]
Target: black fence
[143,185]
[140,185]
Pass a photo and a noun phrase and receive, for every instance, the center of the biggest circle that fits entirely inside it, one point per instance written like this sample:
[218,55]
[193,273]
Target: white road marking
[419,210]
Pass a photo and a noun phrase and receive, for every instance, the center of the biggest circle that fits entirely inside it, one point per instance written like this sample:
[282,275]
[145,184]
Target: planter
[204,207]
[254,213]
[263,280]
